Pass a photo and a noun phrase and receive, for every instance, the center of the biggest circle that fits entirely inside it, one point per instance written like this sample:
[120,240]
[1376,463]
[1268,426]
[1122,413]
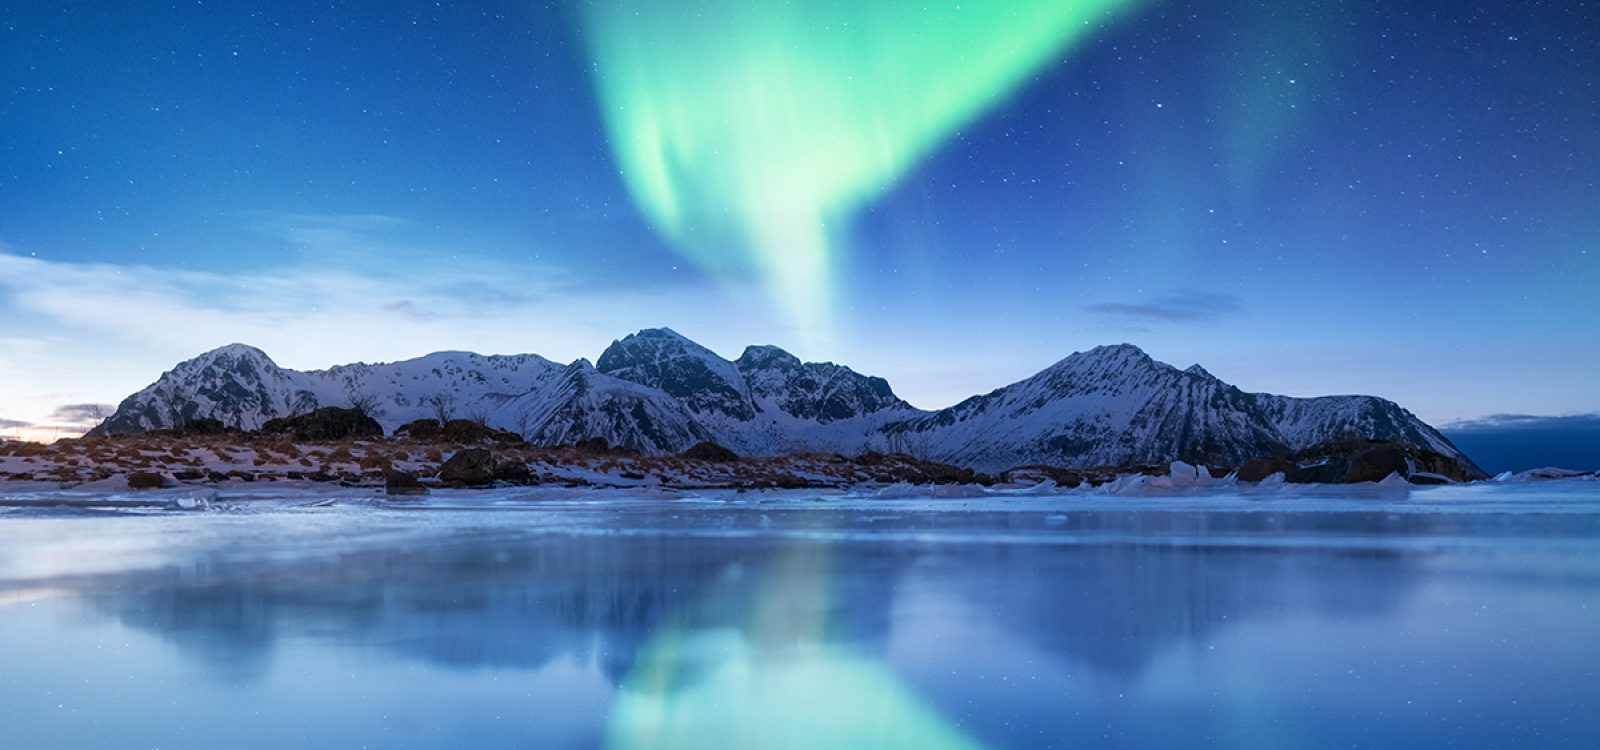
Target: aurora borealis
[749,130]
[1308,196]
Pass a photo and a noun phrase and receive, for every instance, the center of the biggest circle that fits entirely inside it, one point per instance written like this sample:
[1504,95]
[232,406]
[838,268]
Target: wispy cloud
[14,424]
[82,414]
[353,290]
[1179,306]
[1527,422]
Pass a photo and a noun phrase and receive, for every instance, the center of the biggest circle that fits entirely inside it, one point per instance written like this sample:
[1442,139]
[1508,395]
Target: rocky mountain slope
[657,392]
[1115,406]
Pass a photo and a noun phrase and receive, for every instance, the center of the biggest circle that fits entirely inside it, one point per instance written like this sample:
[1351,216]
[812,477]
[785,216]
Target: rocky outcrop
[470,467]
[328,423]
[146,480]
[707,450]
[1348,462]
[403,483]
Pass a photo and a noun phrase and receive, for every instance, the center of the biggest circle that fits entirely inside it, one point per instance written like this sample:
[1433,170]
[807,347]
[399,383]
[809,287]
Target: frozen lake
[1218,618]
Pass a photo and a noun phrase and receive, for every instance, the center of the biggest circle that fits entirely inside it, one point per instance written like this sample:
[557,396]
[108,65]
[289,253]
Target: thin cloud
[1184,306]
[82,414]
[359,291]
[1516,422]
[15,424]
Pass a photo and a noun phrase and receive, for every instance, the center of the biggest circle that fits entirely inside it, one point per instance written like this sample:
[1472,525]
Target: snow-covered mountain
[241,386]
[656,391]
[767,401]
[1115,406]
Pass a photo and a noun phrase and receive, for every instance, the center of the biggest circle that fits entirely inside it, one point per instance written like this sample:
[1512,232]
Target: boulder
[403,483]
[707,450]
[513,471]
[146,480]
[470,466]
[420,429]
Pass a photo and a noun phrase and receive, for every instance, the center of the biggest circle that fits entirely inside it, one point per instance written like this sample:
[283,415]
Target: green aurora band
[749,131]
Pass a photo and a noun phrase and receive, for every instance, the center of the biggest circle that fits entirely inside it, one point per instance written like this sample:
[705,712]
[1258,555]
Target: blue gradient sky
[1400,198]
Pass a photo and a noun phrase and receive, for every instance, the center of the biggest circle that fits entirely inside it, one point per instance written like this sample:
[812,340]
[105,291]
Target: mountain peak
[661,358]
[233,351]
[767,357]
[658,333]
[1123,349]
[1196,369]
[1102,358]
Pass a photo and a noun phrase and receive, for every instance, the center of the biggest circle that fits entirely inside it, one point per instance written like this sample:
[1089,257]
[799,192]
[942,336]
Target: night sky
[1399,198]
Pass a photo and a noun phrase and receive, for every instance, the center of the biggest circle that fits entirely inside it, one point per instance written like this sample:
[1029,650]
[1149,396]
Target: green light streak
[771,679]
[748,131]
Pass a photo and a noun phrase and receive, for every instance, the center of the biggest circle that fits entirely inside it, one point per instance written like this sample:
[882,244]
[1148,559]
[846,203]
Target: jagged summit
[658,391]
[229,353]
[661,358]
[766,357]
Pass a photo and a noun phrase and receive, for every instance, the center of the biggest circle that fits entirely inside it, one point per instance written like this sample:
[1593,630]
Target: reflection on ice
[772,677]
[1204,620]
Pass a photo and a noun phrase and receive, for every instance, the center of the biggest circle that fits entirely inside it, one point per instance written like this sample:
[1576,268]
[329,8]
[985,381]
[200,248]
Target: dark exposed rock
[420,429]
[1421,478]
[146,480]
[514,471]
[464,431]
[1446,466]
[1349,461]
[1328,470]
[204,426]
[188,475]
[470,466]
[403,483]
[1261,468]
[593,445]
[707,450]
[1377,463]
[507,437]
[327,423]
[1039,474]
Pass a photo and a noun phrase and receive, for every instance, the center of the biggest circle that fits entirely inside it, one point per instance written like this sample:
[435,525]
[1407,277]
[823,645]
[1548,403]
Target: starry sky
[1308,197]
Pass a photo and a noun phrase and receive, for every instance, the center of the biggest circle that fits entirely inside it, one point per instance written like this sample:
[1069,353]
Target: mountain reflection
[476,601]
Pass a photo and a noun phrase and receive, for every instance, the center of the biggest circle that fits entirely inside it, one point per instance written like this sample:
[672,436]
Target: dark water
[1454,619]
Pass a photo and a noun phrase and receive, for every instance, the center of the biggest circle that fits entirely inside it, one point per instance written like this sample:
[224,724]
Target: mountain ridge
[657,391]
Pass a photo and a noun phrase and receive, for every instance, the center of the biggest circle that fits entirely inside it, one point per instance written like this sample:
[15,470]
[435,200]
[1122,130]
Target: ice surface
[1158,612]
